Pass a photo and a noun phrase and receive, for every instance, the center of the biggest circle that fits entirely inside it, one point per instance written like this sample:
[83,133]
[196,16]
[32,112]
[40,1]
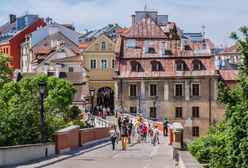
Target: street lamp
[42,86]
[139,111]
[92,93]
[154,103]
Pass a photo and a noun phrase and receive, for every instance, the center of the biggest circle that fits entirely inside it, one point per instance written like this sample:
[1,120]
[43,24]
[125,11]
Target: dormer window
[103,45]
[196,65]
[156,66]
[180,65]
[135,66]
[151,50]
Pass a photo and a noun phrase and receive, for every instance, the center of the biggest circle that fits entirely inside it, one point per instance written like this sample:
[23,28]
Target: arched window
[103,45]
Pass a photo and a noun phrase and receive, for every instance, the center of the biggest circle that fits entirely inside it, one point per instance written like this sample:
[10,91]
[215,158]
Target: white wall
[13,155]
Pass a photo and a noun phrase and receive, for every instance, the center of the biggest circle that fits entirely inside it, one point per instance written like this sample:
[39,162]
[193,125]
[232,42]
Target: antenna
[145,8]
[203,30]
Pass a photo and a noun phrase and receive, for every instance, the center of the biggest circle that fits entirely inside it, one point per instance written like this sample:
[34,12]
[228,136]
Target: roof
[232,49]
[168,66]
[146,28]
[76,58]
[46,44]
[229,75]
[84,44]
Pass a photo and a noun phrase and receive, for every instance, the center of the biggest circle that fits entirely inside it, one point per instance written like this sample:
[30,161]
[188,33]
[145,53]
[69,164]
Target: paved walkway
[137,155]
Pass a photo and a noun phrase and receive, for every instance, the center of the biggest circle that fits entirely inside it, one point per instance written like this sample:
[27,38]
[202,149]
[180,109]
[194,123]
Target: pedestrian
[119,121]
[155,137]
[144,132]
[113,135]
[108,111]
[140,118]
[104,112]
[165,127]
[129,129]
[124,135]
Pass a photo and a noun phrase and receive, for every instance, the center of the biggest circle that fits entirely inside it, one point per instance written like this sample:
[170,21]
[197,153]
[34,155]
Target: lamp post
[139,104]
[42,86]
[92,93]
[154,103]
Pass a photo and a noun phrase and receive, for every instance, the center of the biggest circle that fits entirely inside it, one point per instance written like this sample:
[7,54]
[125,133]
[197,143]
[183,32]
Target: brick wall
[72,136]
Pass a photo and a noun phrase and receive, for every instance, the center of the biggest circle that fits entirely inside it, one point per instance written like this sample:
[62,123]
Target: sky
[220,17]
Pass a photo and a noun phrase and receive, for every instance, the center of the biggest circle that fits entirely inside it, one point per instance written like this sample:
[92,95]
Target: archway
[105,98]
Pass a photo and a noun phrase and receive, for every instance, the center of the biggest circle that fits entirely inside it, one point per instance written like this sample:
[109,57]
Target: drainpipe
[209,103]
[121,92]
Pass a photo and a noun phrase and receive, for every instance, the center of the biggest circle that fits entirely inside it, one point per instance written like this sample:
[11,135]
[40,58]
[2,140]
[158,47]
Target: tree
[20,109]
[5,70]
[226,145]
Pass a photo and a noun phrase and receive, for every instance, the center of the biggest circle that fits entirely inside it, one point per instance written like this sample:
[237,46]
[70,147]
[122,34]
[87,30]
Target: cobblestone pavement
[137,155]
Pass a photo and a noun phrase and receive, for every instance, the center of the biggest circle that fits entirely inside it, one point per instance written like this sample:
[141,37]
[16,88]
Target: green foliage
[5,71]
[74,111]
[80,123]
[226,145]
[212,148]
[20,109]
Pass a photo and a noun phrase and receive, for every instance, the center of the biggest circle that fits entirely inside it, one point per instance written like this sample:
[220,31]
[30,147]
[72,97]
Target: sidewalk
[72,153]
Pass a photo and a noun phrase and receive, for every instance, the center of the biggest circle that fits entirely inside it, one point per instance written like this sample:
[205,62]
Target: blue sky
[220,17]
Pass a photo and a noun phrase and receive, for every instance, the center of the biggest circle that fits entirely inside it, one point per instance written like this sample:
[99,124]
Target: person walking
[165,127]
[113,135]
[124,135]
[144,132]
[155,137]
[129,129]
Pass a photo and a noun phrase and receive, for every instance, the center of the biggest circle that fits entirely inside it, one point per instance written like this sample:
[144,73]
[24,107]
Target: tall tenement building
[163,72]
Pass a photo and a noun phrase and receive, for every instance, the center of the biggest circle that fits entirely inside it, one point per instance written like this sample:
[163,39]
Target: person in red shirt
[144,130]
[140,119]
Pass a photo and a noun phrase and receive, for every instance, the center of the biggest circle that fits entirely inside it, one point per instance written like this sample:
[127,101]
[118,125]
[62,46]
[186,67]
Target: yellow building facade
[99,63]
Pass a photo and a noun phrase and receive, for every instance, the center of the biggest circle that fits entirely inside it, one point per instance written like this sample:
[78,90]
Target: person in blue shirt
[165,125]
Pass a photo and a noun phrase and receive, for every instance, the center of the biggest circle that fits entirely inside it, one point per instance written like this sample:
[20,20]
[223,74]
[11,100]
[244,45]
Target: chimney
[133,20]
[12,18]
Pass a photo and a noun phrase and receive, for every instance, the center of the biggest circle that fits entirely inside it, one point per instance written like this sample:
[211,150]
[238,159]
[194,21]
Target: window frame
[93,59]
[192,89]
[150,89]
[101,63]
[153,110]
[195,131]
[69,69]
[181,66]
[175,89]
[113,63]
[195,111]
[135,110]
[178,113]
[155,67]
[103,46]
[131,91]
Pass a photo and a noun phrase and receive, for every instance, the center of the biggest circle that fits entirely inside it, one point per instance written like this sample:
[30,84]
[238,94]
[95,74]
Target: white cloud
[219,16]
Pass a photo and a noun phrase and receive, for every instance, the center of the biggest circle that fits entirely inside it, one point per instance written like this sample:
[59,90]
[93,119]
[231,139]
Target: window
[195,89]
[104,64]
[195,112]
[153,113]
[71,69]
[134,67]
[93,63]
[155,67]
[151,50]
[179,112]
[103,45]
[131,43]
[180,66]
[133,110]
[195,131]
[113,63]
[178,89]
[7,50]
[133,90]
[196,67]
[153,90]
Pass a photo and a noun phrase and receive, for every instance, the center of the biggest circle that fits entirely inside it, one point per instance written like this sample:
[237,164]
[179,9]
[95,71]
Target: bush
[80,123]
[73,112]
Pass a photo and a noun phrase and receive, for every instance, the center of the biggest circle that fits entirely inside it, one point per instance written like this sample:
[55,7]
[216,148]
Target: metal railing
[96,121]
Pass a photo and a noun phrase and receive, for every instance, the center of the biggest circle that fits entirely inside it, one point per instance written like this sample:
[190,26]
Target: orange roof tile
[84,44]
